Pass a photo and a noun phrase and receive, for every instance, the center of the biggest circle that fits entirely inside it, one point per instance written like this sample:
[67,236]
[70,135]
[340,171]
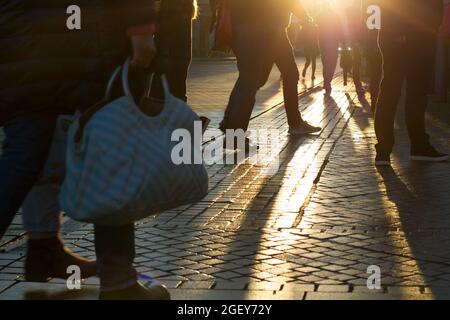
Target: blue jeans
[25,151]
[250,46]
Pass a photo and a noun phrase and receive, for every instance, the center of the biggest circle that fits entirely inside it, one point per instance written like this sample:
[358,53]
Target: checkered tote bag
[120,168]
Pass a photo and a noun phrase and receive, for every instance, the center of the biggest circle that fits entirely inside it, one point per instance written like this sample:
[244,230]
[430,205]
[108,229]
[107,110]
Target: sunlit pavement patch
[309,231]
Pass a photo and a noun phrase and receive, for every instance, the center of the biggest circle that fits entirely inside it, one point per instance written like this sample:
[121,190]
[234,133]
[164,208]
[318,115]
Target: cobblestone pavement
[309,231]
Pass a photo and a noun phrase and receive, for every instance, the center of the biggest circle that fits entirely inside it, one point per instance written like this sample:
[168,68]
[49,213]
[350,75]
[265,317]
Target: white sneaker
[304,128]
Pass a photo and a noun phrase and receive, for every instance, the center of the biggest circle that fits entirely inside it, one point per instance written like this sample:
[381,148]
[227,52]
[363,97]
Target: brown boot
[49,258]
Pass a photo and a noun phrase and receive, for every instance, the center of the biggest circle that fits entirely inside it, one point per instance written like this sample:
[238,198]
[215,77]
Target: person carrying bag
[119,160]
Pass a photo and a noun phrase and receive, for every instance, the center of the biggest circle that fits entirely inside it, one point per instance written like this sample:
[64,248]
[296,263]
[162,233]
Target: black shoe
[138,292]
[49,258]
[382,160]
[429,154]
[304,73]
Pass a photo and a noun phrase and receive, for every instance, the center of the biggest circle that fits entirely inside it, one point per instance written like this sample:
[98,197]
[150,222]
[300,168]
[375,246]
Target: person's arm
[138,18]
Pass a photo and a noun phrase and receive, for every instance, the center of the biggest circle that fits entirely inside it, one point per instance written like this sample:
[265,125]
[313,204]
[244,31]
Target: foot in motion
[383,160]
[428,154]
[49,258]
[304,128]
[304,73]
[153,291]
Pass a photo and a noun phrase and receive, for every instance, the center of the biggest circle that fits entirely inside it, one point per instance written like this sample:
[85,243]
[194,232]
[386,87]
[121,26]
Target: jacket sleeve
[129,13]
[392,17]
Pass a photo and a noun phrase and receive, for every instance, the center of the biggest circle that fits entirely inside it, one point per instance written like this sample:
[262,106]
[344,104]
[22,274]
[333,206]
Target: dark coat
[410,17]
[46,66]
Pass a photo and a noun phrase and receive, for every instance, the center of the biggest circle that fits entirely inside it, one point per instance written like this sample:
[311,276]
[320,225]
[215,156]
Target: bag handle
[126,84]
[112,80]
[87,115]
[123,72]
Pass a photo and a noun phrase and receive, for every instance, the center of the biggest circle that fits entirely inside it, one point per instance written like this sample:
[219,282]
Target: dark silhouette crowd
[48,70]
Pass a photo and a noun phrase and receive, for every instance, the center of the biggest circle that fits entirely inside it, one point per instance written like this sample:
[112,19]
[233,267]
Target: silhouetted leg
[174,53]
[249,47]
[115,250]
[307,64]
[356,53]
[285,62]
[375,66]
[389,96]
[314,66]
[25,151]
[329,60]
[419,71]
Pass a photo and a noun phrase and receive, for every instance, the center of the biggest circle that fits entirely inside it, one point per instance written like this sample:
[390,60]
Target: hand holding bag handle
[122,171]
[123,72]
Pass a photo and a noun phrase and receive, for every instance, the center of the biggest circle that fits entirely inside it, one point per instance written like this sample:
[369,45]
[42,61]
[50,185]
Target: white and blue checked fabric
[122,171]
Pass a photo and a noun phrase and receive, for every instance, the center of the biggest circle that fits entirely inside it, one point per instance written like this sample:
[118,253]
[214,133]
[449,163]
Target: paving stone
[403,290]
[230,285]
[362,296]
[295,287]
[319,222]
[328,288]
[4,284]
[48,291]
[274,286]
[197,284]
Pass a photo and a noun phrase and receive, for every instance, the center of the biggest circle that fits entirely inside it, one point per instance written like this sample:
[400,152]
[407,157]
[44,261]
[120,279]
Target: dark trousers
[24,155]
[281,54]
[115,249]
[411,60]
[375,69]
[174,54]
[311,60]
[330,56]
[249,45]
[356,67]
[25,150]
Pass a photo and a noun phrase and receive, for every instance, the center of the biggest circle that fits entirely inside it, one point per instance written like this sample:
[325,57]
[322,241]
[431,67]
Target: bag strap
[87,115]
[123,72]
